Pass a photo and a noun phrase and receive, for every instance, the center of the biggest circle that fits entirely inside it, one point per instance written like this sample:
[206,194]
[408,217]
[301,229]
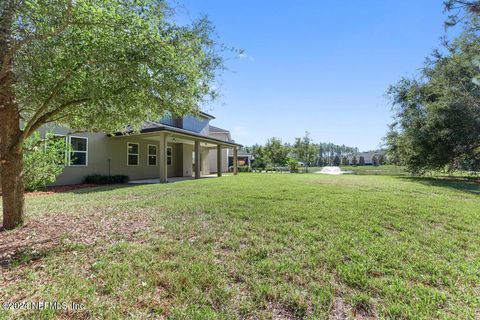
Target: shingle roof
[150,126]
[217,129]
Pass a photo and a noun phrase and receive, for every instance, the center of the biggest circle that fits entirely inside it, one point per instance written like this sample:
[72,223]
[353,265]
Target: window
[152,154]
[169,156]
[78,151]
[132,154]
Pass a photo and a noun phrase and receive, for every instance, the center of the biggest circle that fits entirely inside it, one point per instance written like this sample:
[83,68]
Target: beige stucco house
[170,147]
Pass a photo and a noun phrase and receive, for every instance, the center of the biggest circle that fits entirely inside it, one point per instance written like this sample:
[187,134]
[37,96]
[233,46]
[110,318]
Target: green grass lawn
[253,246]
[376,170]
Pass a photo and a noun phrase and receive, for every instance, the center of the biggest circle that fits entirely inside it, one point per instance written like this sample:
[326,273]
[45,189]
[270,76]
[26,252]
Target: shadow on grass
[102,188]
[466,184]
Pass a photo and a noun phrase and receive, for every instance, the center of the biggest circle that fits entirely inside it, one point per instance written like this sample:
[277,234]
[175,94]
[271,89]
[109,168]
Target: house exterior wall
[187,160]
[213,153]
[108,155]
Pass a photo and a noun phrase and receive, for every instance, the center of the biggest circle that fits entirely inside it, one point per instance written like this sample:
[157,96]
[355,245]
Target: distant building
[244,158]
[367,156]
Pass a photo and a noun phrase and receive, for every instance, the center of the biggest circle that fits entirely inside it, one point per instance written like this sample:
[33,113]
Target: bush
[244,169]
[103,179]
[43,161]
[292,165]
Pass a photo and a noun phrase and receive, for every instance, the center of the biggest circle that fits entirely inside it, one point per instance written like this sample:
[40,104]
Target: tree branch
[55,91]
[48,116]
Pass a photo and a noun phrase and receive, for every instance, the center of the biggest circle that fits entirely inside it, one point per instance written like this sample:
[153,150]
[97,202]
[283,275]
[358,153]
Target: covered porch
[181,154]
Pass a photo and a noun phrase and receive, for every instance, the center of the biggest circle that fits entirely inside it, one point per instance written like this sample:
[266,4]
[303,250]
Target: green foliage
[345,161]
[100,65]
[304,150]
[104,179]
[43,161]
[381,160]
[375,161]
[436,117]
[261,159]
[292,164]
[276,151]
[361,161]
[244,169]
[336,161]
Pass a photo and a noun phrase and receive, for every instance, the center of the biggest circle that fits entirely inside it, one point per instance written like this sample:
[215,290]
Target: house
[185,146]
[367,156]
[243,158]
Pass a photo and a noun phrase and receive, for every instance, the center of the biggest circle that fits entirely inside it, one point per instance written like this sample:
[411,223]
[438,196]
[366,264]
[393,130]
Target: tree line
[275,152]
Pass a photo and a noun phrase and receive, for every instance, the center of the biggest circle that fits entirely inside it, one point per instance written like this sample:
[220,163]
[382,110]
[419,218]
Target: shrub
[292,165]
[103,179]
[244,169]
[43,161]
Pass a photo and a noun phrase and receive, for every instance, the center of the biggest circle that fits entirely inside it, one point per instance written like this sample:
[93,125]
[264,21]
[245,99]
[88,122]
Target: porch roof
[152,127]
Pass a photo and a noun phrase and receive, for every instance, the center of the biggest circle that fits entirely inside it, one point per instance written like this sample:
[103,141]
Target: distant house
[367,156]
[170,147]
[244,158]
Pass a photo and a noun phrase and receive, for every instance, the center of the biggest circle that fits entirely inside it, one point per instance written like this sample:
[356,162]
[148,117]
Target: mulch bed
[57,189]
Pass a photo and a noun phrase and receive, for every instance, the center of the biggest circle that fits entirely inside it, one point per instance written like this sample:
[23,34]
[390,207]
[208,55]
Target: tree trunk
[11,159]
[11,151]
[12,190]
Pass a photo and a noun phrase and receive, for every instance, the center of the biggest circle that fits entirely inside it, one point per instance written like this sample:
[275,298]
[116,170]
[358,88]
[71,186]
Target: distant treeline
[275,152]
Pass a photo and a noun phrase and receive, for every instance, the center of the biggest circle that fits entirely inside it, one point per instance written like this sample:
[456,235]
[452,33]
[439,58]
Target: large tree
[276,151]
[93,66]
[437,115]
[305,150]
[466,11]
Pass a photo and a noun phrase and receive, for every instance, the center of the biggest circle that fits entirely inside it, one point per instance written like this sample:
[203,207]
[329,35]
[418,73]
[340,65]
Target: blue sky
[319,66]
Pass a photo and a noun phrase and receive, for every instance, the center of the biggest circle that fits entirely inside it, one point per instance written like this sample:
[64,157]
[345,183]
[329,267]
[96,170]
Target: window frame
[170,156]
[133,154]
[73,151]
[150,155]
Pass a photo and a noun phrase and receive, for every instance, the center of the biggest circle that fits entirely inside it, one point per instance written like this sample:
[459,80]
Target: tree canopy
[99,65]
[437,115]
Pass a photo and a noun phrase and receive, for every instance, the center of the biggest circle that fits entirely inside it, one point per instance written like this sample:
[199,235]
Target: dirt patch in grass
[340,310]
[40,237]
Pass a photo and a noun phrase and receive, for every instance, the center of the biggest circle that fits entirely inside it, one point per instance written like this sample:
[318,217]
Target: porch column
[219,160]
[163,158]
[197,159]
[235,161]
